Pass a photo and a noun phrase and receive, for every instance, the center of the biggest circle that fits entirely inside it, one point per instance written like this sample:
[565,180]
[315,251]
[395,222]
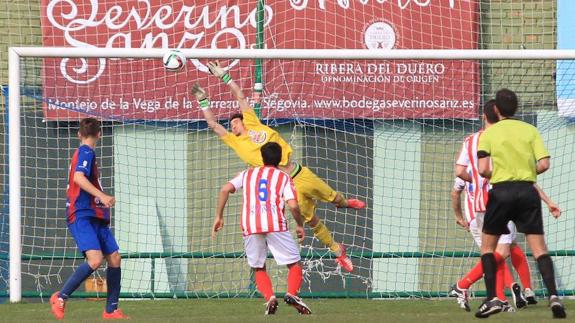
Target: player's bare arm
[461,172]
[543,165]
[222,200]
[222,74]
[202,98]
[484,167]
[456,206]
[294,209]
[553,208]
[86,185]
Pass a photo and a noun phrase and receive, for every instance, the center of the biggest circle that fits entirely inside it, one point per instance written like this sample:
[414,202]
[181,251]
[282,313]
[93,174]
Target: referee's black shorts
[513,201]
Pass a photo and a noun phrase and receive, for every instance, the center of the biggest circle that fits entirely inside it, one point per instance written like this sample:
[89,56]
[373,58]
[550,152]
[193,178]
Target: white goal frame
[15,53]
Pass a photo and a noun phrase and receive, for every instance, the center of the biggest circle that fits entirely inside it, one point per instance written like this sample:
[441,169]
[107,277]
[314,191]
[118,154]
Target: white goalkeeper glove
[218,71]
[201,96]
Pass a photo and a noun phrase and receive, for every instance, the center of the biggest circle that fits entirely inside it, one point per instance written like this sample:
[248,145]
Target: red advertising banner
[142,90]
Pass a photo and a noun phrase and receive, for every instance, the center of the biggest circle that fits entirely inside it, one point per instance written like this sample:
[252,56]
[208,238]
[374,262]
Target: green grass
[251,310]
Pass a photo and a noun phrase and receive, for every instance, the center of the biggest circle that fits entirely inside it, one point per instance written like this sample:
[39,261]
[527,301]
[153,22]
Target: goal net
[165,167]
[382,130]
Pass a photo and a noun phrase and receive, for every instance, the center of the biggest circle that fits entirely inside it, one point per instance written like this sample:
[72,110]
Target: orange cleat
[355,204]
[58,305]
[344,260]
[115,315]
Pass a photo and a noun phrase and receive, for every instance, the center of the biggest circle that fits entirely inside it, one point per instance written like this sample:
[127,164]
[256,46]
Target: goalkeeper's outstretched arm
[218,71]
[204,103]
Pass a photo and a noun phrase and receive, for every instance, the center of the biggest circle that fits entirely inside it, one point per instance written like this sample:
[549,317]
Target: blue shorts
[93,234]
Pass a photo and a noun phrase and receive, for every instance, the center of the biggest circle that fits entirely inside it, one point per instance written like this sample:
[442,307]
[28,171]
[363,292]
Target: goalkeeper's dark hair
[489,112]
[271,154]
[238,115]
[89,127]
[506,102]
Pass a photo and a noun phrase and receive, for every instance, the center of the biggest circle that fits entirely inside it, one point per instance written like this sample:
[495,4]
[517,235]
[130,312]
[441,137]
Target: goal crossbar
[300,54]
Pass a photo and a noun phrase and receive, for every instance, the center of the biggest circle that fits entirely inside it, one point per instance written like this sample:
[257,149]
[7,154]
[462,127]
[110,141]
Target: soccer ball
[174,61]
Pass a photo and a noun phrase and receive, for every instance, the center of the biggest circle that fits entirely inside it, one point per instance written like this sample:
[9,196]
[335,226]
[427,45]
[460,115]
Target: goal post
[15,285]
[397,153]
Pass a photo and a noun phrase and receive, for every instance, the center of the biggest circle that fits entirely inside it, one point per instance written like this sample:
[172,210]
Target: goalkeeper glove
[218,71]
[201,96]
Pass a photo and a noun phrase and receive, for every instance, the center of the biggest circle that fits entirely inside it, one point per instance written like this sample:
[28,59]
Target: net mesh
[165,174]
[384,131]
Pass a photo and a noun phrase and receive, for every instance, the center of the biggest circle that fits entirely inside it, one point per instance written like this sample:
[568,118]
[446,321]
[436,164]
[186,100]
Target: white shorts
[281,244]
[476,225]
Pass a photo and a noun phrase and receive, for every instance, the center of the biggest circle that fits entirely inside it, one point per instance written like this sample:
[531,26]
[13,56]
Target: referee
[518,154]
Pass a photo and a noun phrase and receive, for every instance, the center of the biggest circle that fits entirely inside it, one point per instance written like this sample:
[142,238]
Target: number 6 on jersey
[263,190]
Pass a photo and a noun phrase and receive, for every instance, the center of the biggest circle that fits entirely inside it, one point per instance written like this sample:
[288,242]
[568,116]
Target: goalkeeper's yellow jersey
[247,147]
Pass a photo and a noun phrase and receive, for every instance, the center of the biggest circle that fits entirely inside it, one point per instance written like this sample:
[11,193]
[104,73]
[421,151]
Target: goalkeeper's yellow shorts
[310,188]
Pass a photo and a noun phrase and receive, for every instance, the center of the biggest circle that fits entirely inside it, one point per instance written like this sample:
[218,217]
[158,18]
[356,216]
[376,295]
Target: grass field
[251,310]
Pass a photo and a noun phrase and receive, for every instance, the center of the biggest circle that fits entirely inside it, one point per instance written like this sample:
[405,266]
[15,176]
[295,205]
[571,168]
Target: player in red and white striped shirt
[477,189]
[264,226]
[466,168]
[262,212]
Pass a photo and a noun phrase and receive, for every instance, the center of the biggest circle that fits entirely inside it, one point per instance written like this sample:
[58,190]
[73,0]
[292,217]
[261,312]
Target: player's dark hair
[238,115]
[271,154]
[506,102]
[489,112]
[89,127]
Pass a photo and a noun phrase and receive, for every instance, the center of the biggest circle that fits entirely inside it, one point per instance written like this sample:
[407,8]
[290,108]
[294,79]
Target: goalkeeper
[247,136]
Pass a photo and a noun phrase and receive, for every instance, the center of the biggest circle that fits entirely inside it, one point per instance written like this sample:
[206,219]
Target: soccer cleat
[518,298]
[462,298]
[530,296]
[507,308]
[557,307]
[58,305]
[343,260]
[297,303]
[355,204]
[115,315]
[271,306]
[489,307]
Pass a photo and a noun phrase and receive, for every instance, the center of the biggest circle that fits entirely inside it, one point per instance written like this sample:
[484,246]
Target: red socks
[475,274]
[503,276]
[263,283]
[507,276]
[294,279]
[519,261]
[500,276]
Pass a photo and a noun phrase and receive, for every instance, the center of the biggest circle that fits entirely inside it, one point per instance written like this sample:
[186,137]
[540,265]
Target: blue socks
[113,276]
[82,272]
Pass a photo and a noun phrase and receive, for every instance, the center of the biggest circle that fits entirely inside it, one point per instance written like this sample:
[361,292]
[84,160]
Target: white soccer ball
[174,61]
